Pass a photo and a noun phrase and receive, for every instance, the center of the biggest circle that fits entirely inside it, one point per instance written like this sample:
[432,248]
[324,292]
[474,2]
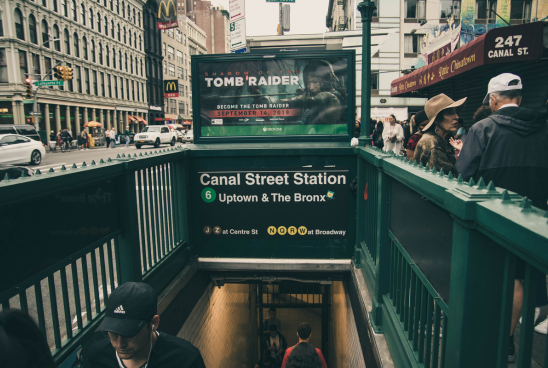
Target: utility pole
[280,26]
[366,9]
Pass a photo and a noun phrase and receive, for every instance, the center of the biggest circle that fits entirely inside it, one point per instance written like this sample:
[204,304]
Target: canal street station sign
[297,203]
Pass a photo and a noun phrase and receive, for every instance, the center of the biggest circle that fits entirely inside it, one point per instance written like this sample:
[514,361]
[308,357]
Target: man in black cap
[131,337]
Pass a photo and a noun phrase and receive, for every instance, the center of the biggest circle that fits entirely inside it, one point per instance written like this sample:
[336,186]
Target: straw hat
[438,103]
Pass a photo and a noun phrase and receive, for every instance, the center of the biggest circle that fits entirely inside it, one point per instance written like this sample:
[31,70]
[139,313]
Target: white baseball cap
[503,82]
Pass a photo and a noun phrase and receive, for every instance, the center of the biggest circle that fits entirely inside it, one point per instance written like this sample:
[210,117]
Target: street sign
[237,9]
[48,83]
[240,51]
[237,34]
[35,113]
[280,1]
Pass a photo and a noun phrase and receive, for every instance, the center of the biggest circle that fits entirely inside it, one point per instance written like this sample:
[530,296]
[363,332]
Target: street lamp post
[366,9]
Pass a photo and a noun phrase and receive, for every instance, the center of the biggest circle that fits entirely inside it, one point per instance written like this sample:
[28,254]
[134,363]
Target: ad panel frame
[350,56]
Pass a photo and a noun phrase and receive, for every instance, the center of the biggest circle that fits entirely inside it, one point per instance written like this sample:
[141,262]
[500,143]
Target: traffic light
[67,73]
[59,72]
[29,88]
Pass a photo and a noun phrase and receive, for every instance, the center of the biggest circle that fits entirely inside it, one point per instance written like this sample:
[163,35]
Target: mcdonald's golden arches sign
[171,88]
[167,14]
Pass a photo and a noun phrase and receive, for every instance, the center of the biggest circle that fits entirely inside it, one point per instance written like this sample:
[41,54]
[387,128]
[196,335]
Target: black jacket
[510,148]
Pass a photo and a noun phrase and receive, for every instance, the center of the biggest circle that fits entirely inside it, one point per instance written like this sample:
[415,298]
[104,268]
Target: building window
[55,6]
[93,51]
[123,10]
[179,36]
[141,68]
[170,52]
[113,58]
[412,44]
[90,18]
[131,64]
[85,48]
[129,35]
[134,17]
[19,32]
[73,10]
[118,6]
[173,106]
[48,66]
[179,57]
[64,9]
[184,40]
[100,53]
[126,62]
[57,43]
[112,29]
[76,45]
[165,67]
[181,108]
[94,80]
[170,32]
[520,10]
[133,90]
[120,58]
[109,90]
[36,66]
[119,37]
[110,5]
[86,80]
[485,8]
[98,22]
[78,78]
[83,14]
[135,40]
[124,34]
[106,26]
[449,8]
[67,42]
[45,3]
[180,73]
[415,9]
[23,68]
[107,58]
[139,19]
[102,84]
[171,69]
[116,85]
[32,30]
[45,34]
[164,48]
[140,43]
[127,88]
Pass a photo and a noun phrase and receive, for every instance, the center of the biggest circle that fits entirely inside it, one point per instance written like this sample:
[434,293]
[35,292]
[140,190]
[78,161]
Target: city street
[56,159]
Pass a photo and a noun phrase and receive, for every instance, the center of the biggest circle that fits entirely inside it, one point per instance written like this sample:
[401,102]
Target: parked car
[180,136]
[14,172]
[189,137]
[22,129]
[155,135]
[18,149]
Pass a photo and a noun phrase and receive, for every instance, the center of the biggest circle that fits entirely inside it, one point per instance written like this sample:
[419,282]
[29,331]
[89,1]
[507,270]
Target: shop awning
[186,122]
[500,45]
[132,119]
[141,120]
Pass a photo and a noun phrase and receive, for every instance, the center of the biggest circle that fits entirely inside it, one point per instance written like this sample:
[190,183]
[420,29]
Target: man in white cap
[510,148]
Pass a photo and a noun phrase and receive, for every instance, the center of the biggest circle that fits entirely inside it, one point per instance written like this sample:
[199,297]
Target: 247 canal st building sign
[274,203]
[500,45]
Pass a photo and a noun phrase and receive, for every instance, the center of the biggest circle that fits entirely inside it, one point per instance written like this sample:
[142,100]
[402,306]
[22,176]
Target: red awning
[158,119]
[187,123]
[500,45]
[132,119]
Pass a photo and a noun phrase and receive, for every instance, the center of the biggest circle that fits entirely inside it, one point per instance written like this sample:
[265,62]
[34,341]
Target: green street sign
[48,83]
[280,1]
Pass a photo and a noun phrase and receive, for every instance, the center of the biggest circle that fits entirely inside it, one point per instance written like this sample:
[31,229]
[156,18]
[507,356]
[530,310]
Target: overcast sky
[307,16]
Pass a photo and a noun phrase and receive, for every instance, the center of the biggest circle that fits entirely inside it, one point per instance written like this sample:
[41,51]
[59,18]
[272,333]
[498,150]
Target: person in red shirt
[303,333]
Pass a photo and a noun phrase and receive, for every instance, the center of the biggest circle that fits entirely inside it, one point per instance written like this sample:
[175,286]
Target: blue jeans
[127,141]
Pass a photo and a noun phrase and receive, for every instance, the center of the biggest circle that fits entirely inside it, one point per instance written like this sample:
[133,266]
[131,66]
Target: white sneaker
[537,314]
[542,328]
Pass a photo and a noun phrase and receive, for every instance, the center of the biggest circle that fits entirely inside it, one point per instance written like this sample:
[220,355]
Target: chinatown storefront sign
[500,45]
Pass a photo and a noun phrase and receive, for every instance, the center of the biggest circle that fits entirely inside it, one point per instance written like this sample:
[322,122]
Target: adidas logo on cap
[120,310]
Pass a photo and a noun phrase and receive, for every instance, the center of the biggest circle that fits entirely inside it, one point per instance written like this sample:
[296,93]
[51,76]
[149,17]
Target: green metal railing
[67,299]
[490,229]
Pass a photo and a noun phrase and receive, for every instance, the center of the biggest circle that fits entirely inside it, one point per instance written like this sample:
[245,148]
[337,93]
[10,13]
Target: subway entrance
[228,317]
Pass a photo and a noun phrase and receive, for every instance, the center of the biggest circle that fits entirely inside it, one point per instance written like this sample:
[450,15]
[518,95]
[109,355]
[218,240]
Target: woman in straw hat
[433,148]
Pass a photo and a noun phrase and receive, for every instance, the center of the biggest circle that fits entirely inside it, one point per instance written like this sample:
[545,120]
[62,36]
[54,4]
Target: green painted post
[366,9]
[129,244]
[477,264]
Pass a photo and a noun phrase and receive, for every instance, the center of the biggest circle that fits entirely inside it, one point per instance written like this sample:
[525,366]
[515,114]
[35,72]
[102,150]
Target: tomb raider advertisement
[274,96]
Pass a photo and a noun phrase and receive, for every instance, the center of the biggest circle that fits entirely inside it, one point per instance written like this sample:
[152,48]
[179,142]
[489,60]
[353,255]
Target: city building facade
[214,20]
[153,61]
[178,45]
[103,44]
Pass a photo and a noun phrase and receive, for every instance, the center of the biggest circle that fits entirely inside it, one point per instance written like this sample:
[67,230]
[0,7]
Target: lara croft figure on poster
[322,101]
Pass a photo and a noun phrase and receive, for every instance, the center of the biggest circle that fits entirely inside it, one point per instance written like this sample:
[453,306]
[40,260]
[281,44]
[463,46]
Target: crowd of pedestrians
[506,144]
